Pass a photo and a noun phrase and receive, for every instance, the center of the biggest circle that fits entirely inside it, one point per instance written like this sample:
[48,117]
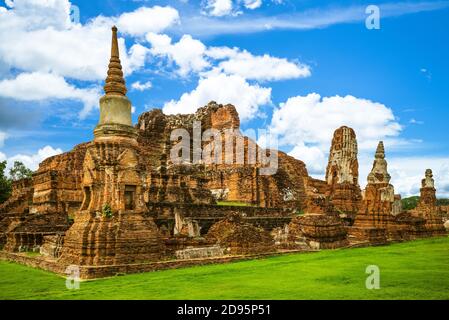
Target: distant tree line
[412,202]
[17,172]
[443,202]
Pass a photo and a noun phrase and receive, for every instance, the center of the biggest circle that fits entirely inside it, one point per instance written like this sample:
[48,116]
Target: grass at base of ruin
[233,204]
[410,270]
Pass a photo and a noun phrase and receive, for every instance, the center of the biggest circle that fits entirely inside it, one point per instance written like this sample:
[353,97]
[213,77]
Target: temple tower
[427,206]
[343,166]
[379,193]
[112,174]
[428,199]
[111,226]
[342,173]
[379,173]
[374,222]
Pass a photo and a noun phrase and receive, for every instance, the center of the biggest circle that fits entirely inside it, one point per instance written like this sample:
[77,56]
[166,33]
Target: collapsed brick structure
[16,206]
[240,237]
[231,180]
[42,205]
[321,231]
[137,195]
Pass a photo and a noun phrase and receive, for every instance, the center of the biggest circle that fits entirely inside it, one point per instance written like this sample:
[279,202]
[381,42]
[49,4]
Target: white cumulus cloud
[144,20]
[218,8]
[38,86]
[141,86]
[187,53]
[313,119]
[32,161]
[224,89]
[191,55]
[31,14]
[136,58]
[307,124]
[264,67]
[313,156]
[39,36]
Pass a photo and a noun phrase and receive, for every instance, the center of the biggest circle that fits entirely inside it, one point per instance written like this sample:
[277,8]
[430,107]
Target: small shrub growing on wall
[107,211]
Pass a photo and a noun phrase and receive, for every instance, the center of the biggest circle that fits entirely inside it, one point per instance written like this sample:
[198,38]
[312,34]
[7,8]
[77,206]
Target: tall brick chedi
[428,201]
[111,227]
[342,173]
[374,217]
[427,206]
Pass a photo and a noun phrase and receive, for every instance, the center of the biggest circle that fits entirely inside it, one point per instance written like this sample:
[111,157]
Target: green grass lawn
[412,270]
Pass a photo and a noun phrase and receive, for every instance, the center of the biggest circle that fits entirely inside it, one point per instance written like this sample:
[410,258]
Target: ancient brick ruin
[342,173]
[121,204]
[427,208]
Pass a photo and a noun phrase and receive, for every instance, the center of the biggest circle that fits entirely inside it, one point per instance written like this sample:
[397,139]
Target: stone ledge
[95,272]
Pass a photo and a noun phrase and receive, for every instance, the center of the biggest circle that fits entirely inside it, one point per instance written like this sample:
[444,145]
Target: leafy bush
[443,202]
[106,211]
[5,183]
[19,171]
[410,203]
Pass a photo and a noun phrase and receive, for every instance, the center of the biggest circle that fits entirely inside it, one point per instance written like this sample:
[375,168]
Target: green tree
[19,171]
[443,202]
[5,183]
[410,203]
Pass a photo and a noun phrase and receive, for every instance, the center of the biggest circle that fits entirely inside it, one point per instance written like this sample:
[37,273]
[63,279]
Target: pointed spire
[115,84]
[380,151]
[379,172]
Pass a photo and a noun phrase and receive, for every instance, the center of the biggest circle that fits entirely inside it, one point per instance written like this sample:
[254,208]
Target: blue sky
[299,68]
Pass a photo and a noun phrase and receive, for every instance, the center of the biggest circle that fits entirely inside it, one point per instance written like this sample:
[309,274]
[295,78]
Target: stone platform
[95,272]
